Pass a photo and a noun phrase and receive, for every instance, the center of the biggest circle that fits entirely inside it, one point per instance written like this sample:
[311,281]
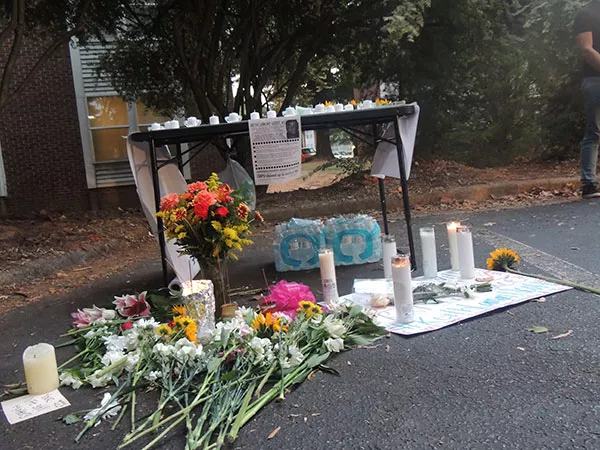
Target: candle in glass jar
[466,258]
[328,278]
[403,296]
[213,120]
[429,253]
[41,373]
[453,245]
[388,244]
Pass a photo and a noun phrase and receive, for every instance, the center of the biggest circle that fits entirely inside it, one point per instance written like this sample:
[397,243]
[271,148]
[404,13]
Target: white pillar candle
[328,278]
[254,115]
[271,114]
[213,120]
[41,374]
[453,245]
[466,258]
[349,107]
[403,296]
[429,253]
[388,244]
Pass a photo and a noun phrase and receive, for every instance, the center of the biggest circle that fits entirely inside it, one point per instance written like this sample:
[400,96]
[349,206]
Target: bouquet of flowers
[212,389]
[210,222]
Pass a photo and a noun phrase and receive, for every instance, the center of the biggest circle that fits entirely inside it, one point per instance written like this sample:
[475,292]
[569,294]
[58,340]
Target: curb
[476,193]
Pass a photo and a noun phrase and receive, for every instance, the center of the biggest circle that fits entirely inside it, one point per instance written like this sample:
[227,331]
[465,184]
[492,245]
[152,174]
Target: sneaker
[590,191]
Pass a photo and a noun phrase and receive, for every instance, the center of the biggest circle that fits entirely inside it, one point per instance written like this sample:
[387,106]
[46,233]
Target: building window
[108,118]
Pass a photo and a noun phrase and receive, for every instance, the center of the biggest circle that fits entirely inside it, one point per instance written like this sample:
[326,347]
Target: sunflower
[502,258]
[164,330]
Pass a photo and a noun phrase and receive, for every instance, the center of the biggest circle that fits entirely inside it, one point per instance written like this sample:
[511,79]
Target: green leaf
[538,330]
[70,419]
[213,365]
[356,310]
[316,360]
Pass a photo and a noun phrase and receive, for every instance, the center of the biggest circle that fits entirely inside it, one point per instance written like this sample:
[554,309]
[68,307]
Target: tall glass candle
[466,258]
[328,278]
[453,244]
[429,253]
[403,296]
[388,244]
[41,373]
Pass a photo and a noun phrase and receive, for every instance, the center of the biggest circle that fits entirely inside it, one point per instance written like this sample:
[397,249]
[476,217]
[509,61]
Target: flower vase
[215,269]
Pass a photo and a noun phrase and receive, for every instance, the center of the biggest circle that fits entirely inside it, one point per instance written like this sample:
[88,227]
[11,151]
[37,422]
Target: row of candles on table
[288,112]
[398,268]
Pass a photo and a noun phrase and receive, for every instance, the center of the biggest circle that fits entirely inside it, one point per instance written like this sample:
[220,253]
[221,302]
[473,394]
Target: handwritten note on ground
[28,406]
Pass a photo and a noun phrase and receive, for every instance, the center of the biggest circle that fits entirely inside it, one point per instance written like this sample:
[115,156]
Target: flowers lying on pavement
[214,389]
[503,259]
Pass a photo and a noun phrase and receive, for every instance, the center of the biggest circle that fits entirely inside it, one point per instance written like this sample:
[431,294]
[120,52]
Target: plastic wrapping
[296,244]
[355,239]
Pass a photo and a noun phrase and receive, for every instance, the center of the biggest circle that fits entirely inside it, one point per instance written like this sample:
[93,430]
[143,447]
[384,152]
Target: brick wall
[40,139]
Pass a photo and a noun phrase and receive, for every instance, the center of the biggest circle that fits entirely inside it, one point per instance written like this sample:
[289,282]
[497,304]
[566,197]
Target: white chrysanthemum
[153,375]
[146,324]
[245,314]
[110,410]
[164,350]
[68,379]
[112,357]
[114,343]
[99,381]
[334,345]
[334,327]
[132,361]
[263,349]
[296,357]
[95,332]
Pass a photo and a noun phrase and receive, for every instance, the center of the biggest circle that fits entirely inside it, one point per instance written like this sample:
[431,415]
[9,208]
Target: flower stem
[579,287]
[78,355]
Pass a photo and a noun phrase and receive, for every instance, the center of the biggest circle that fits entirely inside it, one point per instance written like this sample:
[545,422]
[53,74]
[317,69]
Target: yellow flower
[381,101]
[230,233]
[309,309]
[502,258]
[258,321]
[305,305]
[213,182]
[190,332]
[353,102]
[328,103]
[179,310]
[182,235]
[164,330]
[217,225]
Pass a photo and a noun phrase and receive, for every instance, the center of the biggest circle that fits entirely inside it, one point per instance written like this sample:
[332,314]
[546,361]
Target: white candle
[349,107]
[290,111]
[329,109]
[271,114]
[254,116]
[213,120]
[367,104]
[320,108]
[466,258]
[199,299]
[328,278]
[338,107]
[41,374]
[388,244]
[403,296]
[453,244]
[174,124]
[429,253]
[155,126]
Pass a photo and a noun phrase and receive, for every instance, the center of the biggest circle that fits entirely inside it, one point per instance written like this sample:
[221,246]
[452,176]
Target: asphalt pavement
[486,383]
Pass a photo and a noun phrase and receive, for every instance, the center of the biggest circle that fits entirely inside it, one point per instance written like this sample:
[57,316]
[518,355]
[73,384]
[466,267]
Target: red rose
[221,211]
[126,326]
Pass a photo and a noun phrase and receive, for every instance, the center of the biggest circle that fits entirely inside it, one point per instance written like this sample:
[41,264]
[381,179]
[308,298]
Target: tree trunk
[323,145]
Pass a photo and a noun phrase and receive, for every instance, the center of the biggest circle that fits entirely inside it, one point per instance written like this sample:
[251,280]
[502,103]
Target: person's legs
[591,138]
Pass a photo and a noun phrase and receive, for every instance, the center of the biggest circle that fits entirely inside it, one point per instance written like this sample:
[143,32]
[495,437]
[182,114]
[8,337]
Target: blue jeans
[591,138]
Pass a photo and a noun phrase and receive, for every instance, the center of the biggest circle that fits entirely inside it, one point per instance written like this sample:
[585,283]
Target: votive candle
[466,258]
[328,278]
[271,114]
[349,107]
[213,120]
[254,116]
[41,373]
[453,245]
[429,252]
[388,244]
[403,296]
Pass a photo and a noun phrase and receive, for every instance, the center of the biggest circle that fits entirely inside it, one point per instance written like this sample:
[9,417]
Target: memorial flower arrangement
[210,222]
[212,389]
[504,259]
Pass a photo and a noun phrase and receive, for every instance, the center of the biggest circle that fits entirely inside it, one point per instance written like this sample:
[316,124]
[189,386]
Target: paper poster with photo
[276,149]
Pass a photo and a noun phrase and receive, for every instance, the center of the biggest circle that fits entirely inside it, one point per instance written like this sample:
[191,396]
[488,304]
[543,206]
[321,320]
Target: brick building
[62,141]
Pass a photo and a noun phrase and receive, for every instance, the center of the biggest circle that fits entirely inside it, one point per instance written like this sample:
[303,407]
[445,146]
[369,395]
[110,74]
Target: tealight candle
[271,114]
[403,296]
[213,120]
[328,278]
[388,244]
[41,373]
[453,245]
[466,258]
[254,115]
[429,253]
[338,107]
[349,107]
